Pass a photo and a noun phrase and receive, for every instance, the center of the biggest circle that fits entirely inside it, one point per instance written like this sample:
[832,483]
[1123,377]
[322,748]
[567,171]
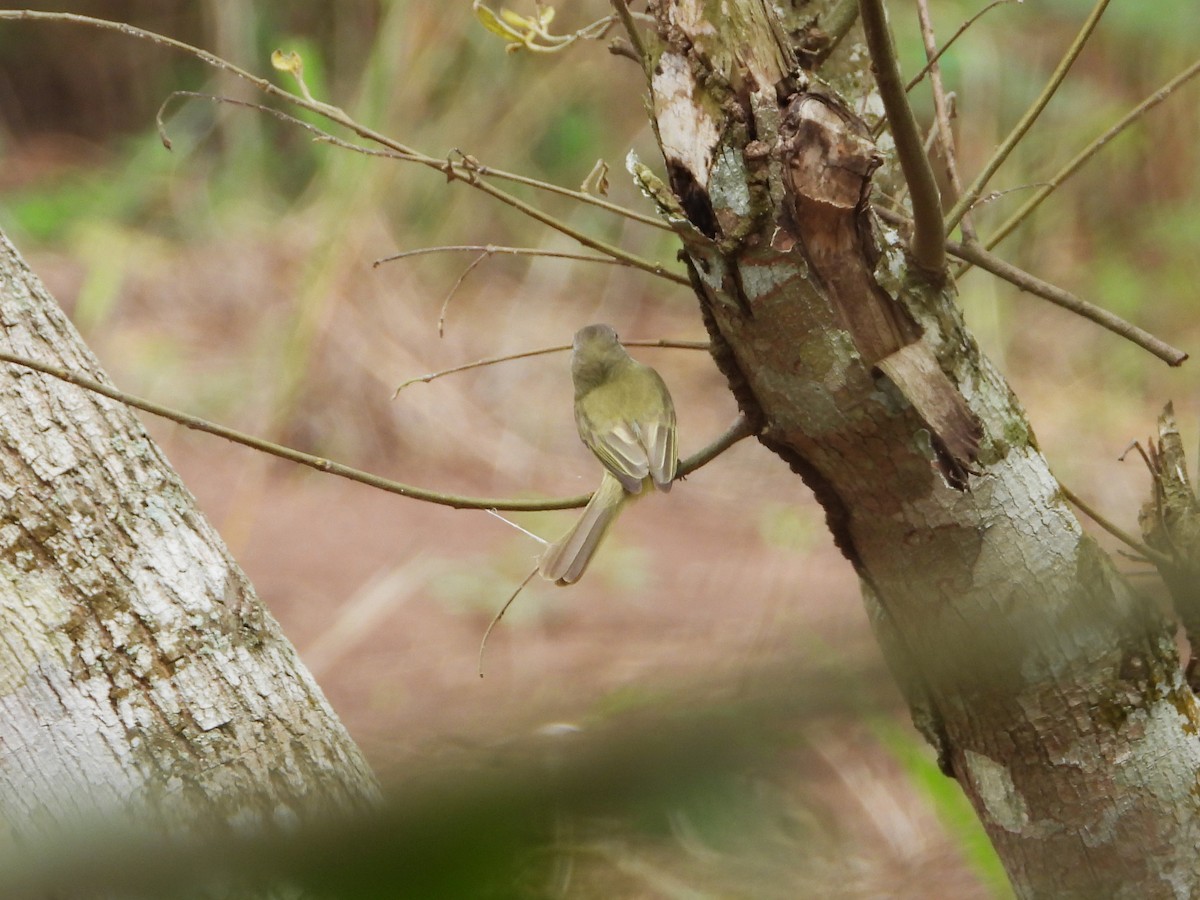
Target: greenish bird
[625,416]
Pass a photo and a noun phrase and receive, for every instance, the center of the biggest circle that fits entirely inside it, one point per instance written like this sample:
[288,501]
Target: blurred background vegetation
[232,277]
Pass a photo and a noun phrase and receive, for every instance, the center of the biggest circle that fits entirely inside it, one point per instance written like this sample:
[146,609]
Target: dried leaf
[597,180]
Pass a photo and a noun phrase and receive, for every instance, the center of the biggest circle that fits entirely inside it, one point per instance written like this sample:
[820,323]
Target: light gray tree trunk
[1052,692]
[139,673]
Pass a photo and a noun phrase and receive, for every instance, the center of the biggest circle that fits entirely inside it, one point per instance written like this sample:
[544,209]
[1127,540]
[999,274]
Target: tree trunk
[1052,692]
[140,677]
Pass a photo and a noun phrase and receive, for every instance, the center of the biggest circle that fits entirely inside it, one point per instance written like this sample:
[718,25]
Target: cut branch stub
[1170,522]
[828,162]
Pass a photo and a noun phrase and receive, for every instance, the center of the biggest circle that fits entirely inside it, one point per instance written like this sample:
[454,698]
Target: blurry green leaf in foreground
[947,800]
[491,825]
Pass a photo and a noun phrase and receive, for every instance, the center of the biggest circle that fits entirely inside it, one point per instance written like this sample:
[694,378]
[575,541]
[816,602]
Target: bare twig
[932,61]
[493,250]
[928,239]
[942,111]
[486,251]
[1147,553]
[467,170]
[1076,163]
[740,429]
[500,615]
[976,255]
[541,351]
[971,194]
[321,464]
[441,322]
[635,36]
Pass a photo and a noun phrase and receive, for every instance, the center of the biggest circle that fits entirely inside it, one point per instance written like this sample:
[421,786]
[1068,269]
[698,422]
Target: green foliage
[131,190]
[946,798]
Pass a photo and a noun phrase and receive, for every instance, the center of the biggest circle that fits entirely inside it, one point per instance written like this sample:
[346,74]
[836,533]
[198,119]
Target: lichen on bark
[140,677]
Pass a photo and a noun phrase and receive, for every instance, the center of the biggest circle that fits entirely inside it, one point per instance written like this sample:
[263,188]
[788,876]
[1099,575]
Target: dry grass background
[233,278]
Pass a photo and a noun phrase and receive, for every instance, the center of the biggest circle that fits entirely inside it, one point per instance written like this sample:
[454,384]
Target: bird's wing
[658,439]
[621,450]
[639,440]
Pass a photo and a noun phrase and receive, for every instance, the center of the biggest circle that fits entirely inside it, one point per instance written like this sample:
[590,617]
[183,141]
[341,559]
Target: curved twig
[1049,186]
[468,170]
[541,351]
[441,322]
[736,432]
[500,615]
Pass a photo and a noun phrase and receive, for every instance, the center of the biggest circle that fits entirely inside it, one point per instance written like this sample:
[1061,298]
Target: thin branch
[967,200]
[740,429]
[635,36]
[932,61]
[541,351]
[942,111]
[493,249]
[1091,150]
[441,322]
[467,170]
[989,262]
[408,154]
[976,255]
[468,173]
[500,615]
[1148,553]
[579,196]
[928,240]
[457,501]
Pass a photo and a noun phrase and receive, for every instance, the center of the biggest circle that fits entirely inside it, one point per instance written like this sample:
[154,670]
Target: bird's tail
[564,561]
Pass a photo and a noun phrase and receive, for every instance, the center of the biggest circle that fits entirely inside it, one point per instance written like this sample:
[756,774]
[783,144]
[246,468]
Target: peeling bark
[1052,692]
[140,678]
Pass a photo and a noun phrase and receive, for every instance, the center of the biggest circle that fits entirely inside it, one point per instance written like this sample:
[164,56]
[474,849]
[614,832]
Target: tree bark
[1052,692]
[140,677]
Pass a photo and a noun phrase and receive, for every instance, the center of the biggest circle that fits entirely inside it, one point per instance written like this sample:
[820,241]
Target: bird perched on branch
[625,416]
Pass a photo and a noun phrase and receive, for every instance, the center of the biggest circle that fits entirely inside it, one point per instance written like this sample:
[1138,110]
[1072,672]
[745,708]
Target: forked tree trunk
[141,681]
[1052,692]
